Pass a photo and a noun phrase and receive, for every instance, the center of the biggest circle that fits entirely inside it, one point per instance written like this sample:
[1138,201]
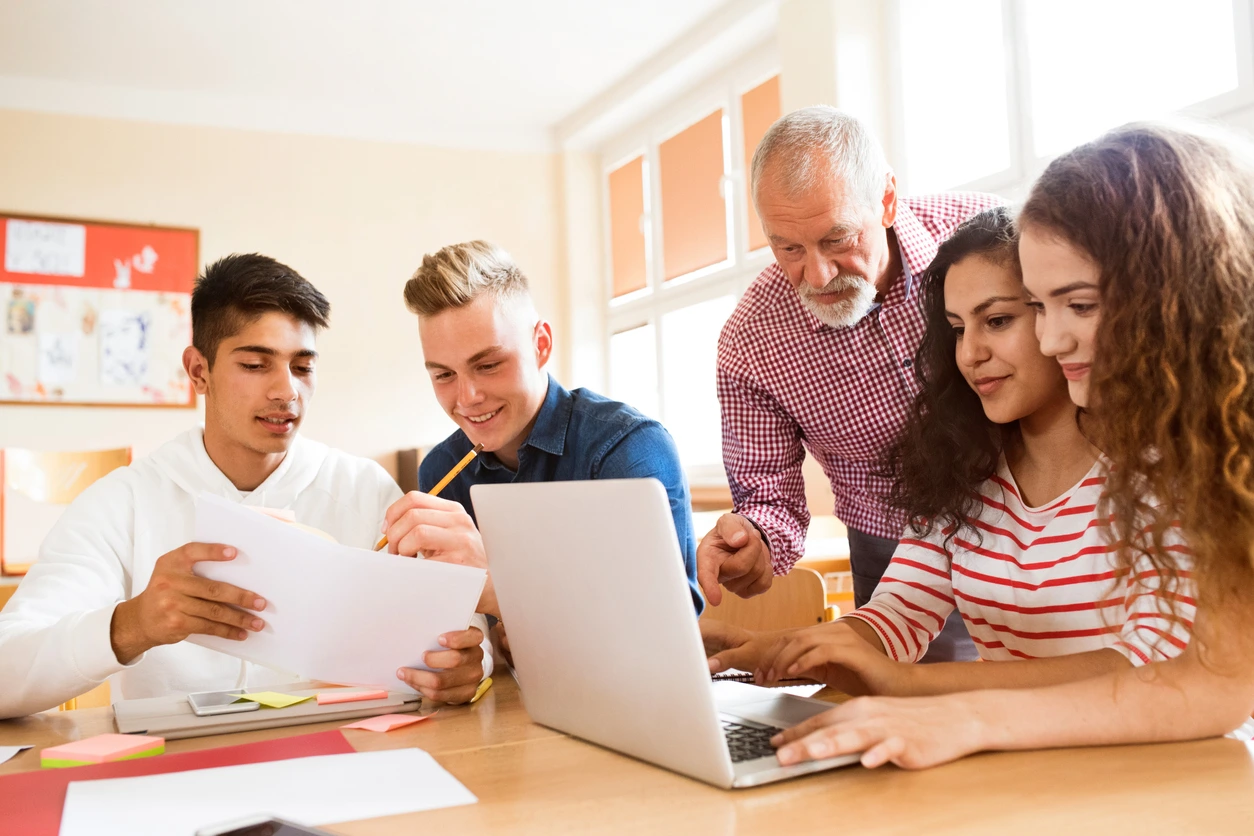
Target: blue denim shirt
[609,440]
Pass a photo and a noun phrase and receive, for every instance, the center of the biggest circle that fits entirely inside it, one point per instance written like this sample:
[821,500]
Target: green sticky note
[272,700]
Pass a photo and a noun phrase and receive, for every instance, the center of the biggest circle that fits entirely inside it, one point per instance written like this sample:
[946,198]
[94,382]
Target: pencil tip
[478,448]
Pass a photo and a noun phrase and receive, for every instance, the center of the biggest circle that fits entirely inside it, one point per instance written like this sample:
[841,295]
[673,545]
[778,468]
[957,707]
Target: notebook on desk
[172,717]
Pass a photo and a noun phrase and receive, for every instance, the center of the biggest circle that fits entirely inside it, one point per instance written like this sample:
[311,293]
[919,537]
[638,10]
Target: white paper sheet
[125,346]
[333,612]
[58,359]
[738,693]
[313,791]
[7,752]
[45,249]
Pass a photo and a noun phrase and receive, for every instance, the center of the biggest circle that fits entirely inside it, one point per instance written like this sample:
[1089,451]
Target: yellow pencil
[481,690]
[443,483]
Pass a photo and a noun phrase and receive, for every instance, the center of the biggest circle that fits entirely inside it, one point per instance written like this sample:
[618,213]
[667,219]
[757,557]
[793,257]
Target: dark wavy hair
[948,446]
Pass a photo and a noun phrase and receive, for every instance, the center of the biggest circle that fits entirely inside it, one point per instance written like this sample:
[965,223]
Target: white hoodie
[54,632]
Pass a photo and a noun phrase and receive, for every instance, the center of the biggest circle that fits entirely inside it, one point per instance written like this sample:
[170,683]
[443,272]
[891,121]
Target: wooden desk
[532,780]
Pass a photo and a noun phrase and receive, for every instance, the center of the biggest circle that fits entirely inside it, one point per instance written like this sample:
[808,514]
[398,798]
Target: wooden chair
[36,488]
[798,599]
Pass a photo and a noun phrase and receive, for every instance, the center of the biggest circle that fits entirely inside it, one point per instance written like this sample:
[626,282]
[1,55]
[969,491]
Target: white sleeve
[481,621]
[55,631]
[909,606]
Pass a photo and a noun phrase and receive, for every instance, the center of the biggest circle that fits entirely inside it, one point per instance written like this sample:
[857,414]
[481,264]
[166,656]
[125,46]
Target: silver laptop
[605,642]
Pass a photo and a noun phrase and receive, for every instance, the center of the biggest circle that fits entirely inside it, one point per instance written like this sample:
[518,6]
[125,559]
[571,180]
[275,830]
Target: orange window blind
[694,214]
[627,252]
[759,108]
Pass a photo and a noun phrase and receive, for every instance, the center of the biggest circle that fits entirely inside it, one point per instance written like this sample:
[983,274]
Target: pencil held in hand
[443,483]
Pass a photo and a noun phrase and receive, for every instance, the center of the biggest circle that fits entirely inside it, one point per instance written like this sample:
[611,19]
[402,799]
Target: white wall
[353,217]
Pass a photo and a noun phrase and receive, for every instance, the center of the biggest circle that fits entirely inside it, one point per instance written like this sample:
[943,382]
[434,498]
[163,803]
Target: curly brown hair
[1166,212]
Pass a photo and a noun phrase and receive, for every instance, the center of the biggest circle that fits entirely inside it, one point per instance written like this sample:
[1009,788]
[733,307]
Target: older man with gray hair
[818,354]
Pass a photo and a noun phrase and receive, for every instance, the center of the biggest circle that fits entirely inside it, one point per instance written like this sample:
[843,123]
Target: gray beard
[843,314]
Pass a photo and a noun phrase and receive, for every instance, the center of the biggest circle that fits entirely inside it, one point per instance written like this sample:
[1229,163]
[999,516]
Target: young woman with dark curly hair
[1138,249]
[1001,488]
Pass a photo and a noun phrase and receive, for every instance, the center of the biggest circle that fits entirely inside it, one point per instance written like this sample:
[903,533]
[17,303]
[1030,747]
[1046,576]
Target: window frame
[732,276]
[1025,164]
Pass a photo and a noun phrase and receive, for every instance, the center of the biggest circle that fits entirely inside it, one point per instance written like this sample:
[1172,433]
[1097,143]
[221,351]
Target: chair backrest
[37,486]
[798,599]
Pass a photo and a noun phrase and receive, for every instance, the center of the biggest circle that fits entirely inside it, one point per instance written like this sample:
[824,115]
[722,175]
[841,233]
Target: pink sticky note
[332,697]
[102,748]
[387,722]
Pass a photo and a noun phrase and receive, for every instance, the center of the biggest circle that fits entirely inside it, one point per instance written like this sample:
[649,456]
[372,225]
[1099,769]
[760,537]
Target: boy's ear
[197,368]
[543,339]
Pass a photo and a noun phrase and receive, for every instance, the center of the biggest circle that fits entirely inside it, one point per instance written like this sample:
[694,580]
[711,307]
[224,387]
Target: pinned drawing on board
[124,347]
[122,273]
[20,314]
[42,248]
[58,359]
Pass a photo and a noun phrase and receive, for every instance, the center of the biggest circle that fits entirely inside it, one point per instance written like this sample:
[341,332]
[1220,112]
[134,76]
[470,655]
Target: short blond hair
[459,274]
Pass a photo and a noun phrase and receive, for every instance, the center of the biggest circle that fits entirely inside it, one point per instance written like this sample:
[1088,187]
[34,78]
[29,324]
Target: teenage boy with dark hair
[113,594]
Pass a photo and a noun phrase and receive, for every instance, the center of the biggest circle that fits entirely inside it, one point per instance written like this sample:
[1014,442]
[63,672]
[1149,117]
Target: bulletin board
[95,313]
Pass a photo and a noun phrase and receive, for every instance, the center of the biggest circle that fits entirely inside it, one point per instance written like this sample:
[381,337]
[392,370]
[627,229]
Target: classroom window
[692,165]
[759,108]
[1126,60]
[682,244]
[633,368]
[991,90]
[628,249]
[956,114]
[689,397]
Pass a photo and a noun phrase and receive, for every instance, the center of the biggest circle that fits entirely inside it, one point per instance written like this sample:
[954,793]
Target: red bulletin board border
[174,272]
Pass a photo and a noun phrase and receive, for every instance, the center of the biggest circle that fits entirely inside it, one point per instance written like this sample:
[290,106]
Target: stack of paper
[310,791]
[102,748]
[333,612]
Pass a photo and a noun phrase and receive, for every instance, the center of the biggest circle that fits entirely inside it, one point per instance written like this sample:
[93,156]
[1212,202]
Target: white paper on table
[333,612]
[728,693]
[324,789]
[7,752]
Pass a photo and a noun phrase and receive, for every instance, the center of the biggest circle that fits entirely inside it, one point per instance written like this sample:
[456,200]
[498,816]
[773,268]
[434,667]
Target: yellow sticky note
[272,700]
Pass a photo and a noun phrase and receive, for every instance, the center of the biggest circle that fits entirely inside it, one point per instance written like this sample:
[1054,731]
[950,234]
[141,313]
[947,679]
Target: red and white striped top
[1038,582]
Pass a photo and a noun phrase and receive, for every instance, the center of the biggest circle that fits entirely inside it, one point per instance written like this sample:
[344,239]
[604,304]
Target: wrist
[911,680]
[766,541]
[980,715]
[126,634]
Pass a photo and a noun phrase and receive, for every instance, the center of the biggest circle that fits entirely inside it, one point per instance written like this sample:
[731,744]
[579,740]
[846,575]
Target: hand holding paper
[439,529]
[176,604]
[334,612]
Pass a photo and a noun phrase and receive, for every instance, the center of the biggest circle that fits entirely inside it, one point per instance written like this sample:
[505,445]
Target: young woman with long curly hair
[1138,250]
[1001,488]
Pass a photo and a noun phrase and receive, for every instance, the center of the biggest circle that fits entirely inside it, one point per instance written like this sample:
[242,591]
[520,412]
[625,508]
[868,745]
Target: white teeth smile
[479,419]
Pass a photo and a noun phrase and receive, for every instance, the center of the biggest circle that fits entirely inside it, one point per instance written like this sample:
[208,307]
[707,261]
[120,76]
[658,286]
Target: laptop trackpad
[780,711]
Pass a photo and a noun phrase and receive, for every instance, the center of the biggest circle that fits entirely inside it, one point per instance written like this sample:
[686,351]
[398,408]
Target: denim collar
[548,433]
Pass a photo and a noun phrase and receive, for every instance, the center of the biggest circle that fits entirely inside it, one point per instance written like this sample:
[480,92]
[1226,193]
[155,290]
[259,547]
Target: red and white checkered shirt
[788,383]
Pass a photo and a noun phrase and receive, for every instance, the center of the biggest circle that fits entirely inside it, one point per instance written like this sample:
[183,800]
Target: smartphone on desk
[209,703]
[261,825]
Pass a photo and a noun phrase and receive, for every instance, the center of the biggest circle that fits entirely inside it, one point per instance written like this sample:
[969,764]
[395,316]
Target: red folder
[31,802]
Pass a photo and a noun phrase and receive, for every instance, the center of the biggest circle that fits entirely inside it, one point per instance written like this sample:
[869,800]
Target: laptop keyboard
[747,743]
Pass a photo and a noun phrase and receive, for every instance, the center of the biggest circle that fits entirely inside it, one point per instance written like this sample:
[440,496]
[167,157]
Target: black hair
[948,446]
[237,289]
